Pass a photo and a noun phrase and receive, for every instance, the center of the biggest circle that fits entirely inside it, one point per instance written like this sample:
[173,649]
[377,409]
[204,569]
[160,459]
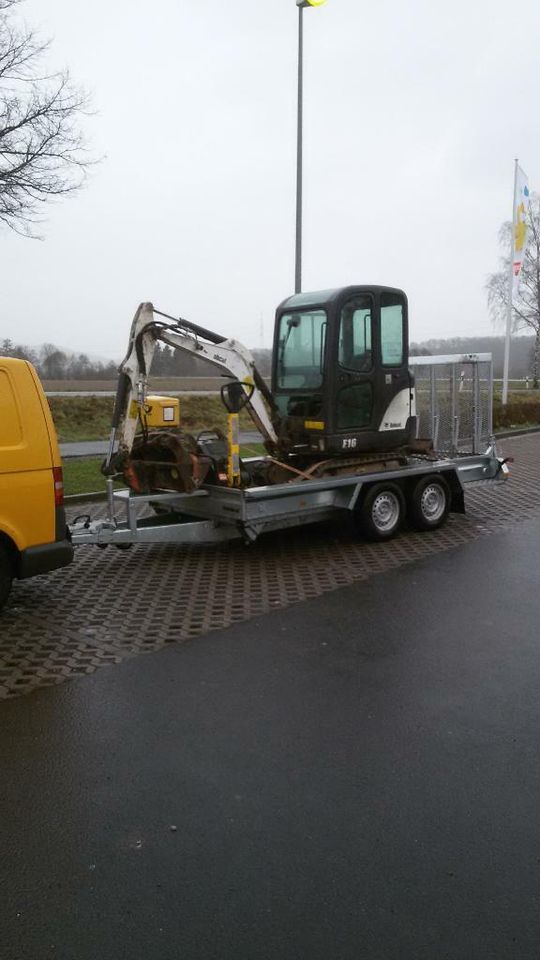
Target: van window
[10,424]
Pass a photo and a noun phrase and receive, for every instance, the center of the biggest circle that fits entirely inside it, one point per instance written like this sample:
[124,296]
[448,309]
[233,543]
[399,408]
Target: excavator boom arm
[227,355]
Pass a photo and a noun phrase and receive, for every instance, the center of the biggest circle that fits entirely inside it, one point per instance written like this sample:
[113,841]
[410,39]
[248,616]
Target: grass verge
[520,411]
[89,418]
[83,475]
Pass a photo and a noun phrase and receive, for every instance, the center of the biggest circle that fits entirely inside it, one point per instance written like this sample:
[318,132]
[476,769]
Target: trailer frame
[213,514]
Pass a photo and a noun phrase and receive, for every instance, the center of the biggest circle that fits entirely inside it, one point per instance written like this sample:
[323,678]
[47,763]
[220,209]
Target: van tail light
[58,478]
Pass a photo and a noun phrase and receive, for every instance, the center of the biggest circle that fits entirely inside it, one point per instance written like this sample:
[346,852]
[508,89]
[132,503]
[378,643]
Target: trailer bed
[214,513]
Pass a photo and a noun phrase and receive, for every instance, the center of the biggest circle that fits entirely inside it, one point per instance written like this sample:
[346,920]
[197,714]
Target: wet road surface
[355,776]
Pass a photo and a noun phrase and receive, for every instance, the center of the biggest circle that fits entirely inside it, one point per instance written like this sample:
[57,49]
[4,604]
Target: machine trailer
[376,503]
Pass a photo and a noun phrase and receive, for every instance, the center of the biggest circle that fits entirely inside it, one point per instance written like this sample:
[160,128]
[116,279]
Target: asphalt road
[355,776]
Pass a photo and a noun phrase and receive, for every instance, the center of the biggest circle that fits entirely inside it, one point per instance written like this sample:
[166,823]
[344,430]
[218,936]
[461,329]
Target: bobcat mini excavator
[342,399]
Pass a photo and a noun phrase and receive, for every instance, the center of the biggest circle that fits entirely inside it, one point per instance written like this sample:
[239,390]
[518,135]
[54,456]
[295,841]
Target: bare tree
[43,154]
[53,362]
[526,307]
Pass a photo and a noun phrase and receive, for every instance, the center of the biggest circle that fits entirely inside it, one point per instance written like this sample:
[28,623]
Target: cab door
[372,400]
[354,396]
[394,398]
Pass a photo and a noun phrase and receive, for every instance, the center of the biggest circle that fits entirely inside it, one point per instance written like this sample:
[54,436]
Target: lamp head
[310,3]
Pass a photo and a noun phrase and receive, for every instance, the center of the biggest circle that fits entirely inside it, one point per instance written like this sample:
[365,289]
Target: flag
[520,227]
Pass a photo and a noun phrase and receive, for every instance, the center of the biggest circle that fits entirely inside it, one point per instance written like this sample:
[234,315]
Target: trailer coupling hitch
[84,519]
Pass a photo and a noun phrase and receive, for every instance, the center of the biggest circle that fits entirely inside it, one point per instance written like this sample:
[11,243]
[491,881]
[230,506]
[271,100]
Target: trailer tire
[6,574]
[429,503]
[381,512]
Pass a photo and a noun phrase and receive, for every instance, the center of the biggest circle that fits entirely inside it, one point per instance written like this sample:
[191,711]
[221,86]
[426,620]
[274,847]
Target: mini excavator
[341,400]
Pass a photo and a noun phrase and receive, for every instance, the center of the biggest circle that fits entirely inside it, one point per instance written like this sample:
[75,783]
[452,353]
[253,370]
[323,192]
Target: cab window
[392,330]
[302,338]
[355,350]
[355,406]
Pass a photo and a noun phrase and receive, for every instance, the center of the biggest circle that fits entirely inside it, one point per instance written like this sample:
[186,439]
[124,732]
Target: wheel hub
[433,502]
[385,511]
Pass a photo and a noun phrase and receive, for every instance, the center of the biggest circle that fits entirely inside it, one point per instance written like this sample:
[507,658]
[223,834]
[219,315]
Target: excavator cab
[340,376]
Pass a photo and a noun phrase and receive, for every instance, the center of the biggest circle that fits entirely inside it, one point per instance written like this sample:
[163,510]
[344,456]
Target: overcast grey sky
[413,115]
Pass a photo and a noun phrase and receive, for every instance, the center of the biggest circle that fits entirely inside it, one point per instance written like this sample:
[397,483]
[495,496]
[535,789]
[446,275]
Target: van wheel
[382,511]
[6,574]
[429,503]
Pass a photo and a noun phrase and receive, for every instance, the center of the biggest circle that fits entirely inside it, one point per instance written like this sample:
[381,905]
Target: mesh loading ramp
[454,401]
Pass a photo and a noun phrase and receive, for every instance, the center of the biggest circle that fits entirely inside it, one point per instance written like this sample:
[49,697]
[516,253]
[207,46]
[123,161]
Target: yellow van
[33,533]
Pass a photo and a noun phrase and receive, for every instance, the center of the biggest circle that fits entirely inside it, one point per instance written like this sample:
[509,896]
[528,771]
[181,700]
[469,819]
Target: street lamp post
[299,142]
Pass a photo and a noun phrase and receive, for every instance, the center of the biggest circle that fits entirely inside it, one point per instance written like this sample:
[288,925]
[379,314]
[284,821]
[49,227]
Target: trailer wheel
[6,574]
[429,503]
[381,512]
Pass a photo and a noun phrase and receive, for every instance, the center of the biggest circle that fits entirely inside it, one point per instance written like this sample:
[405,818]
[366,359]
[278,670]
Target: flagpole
[510,294]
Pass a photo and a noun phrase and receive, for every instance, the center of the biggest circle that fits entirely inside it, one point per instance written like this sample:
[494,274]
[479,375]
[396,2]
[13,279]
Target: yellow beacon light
[310,3]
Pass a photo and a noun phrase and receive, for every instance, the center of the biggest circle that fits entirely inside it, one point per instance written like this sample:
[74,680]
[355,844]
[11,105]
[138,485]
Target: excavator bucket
[165,461]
